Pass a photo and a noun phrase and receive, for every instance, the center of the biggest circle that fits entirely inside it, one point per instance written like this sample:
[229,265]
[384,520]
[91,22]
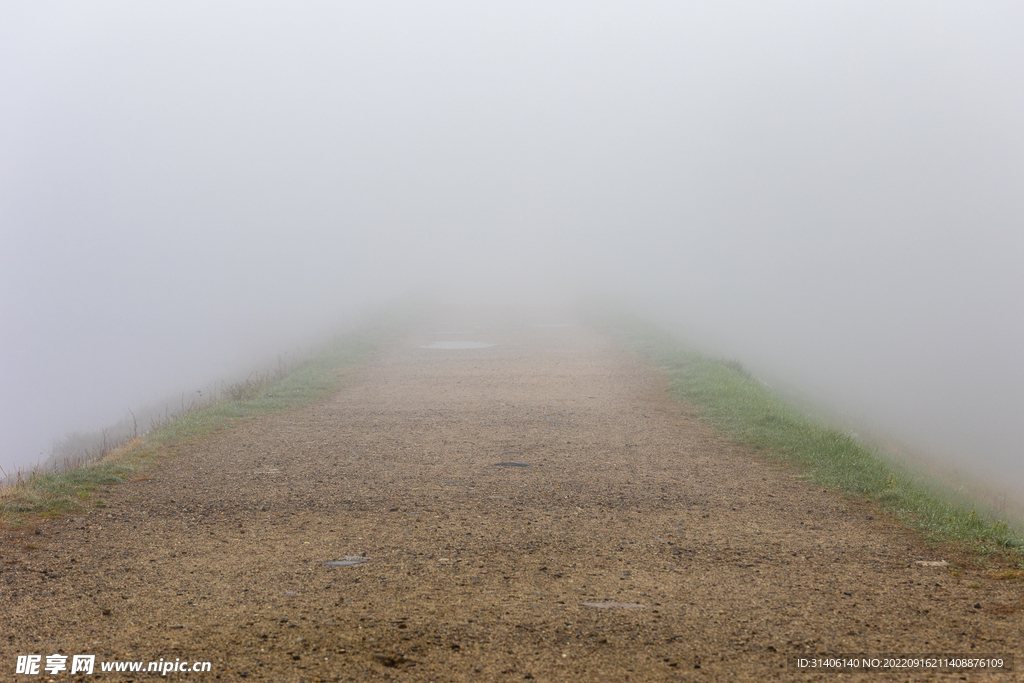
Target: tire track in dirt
[481,572]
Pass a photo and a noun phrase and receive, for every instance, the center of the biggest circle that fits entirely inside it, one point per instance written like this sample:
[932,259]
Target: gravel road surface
[538,509]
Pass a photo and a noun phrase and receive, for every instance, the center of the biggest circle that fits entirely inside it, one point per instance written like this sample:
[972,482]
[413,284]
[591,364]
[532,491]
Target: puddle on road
[513,464]
[449,345]
[348,561]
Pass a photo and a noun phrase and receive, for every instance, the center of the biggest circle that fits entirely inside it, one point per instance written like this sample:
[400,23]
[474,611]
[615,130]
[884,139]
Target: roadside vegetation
[80,481]
[749,413]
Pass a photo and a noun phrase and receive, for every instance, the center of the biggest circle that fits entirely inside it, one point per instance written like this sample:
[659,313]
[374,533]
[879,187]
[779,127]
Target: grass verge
[747,412]
[55,493]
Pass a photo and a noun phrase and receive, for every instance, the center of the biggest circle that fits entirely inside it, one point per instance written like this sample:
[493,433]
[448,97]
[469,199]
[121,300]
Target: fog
[832,193]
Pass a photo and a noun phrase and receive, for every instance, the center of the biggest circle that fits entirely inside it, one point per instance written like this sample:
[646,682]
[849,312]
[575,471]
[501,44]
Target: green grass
[311,381]
[747,412]
[56,493]
[71,490]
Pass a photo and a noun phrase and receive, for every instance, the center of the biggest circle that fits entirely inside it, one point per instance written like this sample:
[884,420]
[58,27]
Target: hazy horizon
[830,193]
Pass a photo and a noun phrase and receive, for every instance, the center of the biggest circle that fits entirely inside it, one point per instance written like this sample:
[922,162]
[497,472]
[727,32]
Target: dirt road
[621,540]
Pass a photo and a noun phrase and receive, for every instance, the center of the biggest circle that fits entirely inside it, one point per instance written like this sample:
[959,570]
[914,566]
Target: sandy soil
[718,565]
